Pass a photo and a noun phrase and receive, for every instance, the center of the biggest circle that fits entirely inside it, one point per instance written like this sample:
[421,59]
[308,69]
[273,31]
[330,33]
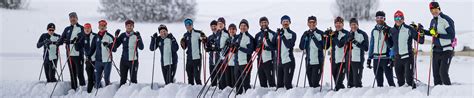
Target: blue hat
[188,22]
[285,17]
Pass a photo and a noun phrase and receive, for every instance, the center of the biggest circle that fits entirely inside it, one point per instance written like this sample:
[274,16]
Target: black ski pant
[314,74]
[193,70]
[285,75]
[90,75]
[169,71]
[404,71]
[50,70]
[75,67]
[338,73]
[266,74]
[355,74]
[126,67]
[381,69]
[441,63]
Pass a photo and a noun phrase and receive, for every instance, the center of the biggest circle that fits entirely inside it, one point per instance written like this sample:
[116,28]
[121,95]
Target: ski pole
[225,65]
[322,65]
[245,72]
[153,69]
[217,68]
[133,62]
[378,62]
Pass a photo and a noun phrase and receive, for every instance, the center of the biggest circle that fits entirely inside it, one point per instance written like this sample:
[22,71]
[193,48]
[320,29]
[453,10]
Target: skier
[312,43]
[87,42]
[71,37]
[244,45]
[402,37]
[266,72]
[223,38]
[212,50]
[132,41]
[101,46]
[191,41]
[50,57]
[339,59]
[168,50]
[285,41]
[360,44]
[231,63]
[443,30]
[380,44]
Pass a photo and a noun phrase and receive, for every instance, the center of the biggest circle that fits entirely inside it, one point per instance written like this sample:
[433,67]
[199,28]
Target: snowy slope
[20,60]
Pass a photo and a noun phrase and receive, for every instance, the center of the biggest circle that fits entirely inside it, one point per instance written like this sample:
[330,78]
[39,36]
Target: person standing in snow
[231,62]
[71,37]
[285,41]
[50,57]
[222,39]
[212,50]
[168,50]
[191,42]
[244,47]
[88,35]
[101,46]
[402,37]
[312,43]
[360,45]
[132,42]
[339,58]
[380,44]
[266,71]
[443,30]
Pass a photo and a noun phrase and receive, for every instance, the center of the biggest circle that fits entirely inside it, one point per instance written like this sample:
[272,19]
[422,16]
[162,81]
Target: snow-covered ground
[21,61]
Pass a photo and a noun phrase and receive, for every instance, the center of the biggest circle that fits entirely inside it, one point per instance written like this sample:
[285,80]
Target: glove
[351,36]
[204,40]
[46,42]
[433,33]
[107,44]
[368,63]
[329,32]
[117,32]
[73,41]
[88,59]
[137,34]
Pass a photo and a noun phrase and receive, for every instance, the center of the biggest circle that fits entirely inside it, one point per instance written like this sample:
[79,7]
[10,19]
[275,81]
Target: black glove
[107,44]
[88,59]
[369,62]
[117,32]
[73,41]
[46,42]
[329,32]
[280,31]
[351,37]
[155,35]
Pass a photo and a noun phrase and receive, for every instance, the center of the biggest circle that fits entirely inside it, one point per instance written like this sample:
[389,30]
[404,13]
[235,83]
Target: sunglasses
[379,17]
[50,29]
[398,18]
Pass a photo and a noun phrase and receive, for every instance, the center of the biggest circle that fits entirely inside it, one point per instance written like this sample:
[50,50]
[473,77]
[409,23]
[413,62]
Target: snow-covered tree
[148,10]
[360,9]
[12,4]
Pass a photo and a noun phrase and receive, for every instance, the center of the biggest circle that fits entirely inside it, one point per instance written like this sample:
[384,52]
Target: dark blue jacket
[123,39]
[40,43]
[66,36]
[363,45]
[288,43]
[386,37]
[259,41]
[187,40]
[308,36]
[159,43]
[450,30]
[412,35]
[249,50]
[97,45]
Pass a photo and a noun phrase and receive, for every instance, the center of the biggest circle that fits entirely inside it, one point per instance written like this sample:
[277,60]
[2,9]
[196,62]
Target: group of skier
[233,50]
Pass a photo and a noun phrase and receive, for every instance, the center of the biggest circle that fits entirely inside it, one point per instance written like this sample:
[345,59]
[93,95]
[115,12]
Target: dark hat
[339,19]
[354,20]
[244,21]
[221,19]
[73,14]
[162,26]
[129,22]
[312,18]
[232,26]
[285,17]
[380,13]
[434,5]
[263,19]
[213,22]
[51,25]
